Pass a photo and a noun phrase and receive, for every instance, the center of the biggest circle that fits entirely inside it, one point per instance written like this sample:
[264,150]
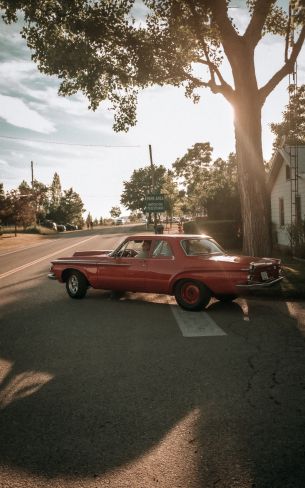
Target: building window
[288,174]
[282,214]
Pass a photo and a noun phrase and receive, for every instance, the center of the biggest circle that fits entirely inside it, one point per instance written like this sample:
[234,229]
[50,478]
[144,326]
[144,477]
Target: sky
[59,134]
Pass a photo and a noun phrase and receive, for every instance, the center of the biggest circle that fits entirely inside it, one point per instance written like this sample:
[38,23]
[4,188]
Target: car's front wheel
[76,284]
[192,295]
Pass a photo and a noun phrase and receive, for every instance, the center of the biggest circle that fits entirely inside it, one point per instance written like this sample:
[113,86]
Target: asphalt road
[133,392]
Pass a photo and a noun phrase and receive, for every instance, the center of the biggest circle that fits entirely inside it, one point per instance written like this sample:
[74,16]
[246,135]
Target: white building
[287,189]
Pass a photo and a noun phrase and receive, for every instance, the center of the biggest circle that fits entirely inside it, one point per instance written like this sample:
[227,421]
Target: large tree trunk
[255,198]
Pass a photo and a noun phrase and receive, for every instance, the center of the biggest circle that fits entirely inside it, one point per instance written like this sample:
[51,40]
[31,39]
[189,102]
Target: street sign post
[155,203]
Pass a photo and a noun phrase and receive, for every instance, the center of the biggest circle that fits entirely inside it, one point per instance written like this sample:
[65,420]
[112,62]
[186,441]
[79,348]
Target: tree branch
[220,16]
[254,30]
[225,90]
[285,70]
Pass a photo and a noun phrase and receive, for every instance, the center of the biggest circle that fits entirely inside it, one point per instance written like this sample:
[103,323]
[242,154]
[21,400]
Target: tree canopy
[210,186]
[28,205]
[140,184]
[292,127]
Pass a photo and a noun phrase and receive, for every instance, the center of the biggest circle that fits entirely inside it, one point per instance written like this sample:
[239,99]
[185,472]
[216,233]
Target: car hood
[81,255]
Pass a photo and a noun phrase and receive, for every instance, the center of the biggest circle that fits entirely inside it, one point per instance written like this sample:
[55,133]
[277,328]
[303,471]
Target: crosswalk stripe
[196,324]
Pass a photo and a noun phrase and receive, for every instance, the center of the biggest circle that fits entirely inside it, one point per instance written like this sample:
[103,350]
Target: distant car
[61,228]
[193,268]
[49,224]
[71,227]
[119,221]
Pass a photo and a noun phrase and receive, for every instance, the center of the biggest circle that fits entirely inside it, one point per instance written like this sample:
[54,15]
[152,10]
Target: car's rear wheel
[76,284]
[192,295]
[226,298]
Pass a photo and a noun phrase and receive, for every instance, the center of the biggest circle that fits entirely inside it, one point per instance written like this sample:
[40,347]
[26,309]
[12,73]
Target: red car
[193,268]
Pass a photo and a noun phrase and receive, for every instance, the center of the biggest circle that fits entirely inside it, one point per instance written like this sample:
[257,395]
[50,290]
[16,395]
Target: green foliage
[296,233]
[225,232]
[28,205]
[70,208]
[115,212]
[210,187]
[100,49]
[140,185]
[292,127]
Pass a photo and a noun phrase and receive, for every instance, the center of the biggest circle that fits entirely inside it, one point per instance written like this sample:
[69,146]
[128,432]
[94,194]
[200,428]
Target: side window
[288,172]
[162,249]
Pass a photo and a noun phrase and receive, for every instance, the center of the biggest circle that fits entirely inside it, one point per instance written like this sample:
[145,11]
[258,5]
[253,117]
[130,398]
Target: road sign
[155,202]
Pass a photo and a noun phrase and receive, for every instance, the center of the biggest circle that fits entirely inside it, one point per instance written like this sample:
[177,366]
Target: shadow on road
[91,385]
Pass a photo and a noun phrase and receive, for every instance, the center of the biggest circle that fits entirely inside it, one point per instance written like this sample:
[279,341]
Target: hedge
[225,232]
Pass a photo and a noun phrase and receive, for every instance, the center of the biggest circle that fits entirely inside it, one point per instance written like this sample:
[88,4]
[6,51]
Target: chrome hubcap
[73,284]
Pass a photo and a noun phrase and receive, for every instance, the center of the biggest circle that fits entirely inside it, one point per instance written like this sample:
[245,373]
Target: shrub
[296,234]
[225,232]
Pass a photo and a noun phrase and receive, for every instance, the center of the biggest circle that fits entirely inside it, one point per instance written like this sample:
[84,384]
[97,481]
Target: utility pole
[32,172]
[152,181]
[35,203]
[152,169]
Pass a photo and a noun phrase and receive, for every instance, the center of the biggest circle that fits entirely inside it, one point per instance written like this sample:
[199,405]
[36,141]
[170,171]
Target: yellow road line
[27,265]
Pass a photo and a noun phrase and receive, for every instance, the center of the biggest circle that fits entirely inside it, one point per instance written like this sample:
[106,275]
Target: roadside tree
[140,185]
[292,127]
[71,208]
[97,47]
[115,212]
[55,194]
[211,187]
[171,193]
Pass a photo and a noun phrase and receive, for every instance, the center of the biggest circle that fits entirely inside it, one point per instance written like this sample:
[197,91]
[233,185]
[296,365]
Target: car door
[160,267]
[123,272]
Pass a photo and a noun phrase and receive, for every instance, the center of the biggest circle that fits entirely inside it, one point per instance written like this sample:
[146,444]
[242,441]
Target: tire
[76,285]
[226,298]
[192,295]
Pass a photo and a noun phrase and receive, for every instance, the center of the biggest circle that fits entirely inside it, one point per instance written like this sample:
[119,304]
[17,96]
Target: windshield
[194,247]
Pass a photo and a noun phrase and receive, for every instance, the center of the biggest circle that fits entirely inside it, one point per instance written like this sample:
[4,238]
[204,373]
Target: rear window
[195,247]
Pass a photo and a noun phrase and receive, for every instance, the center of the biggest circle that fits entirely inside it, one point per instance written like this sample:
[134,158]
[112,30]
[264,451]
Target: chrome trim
[265,284]
[260,265]
[52,276]
[93,263]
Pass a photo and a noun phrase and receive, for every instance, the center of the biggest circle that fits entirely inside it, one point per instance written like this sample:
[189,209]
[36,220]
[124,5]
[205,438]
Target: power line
[64,143]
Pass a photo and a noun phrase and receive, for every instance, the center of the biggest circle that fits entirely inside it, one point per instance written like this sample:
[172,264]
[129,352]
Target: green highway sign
[155,202]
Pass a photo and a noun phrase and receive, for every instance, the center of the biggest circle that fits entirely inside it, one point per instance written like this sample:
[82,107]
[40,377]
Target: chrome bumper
[258,286]
[52,276]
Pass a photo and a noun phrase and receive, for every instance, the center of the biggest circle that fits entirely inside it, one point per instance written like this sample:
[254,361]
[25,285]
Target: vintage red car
[193,268]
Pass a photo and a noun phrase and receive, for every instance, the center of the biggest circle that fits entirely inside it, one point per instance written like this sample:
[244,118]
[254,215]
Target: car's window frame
[160,256]
[221,251]
[123,246]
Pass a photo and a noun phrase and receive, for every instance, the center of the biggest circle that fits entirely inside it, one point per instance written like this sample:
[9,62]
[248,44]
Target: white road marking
[196,324]
[27,265]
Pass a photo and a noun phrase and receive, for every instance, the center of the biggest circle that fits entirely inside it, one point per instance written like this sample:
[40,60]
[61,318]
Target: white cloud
[16,112]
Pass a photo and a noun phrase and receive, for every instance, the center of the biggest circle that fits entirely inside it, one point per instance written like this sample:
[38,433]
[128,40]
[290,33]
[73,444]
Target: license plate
[264,275]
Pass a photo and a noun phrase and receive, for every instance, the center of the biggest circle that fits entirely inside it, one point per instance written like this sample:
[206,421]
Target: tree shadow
[88,386]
